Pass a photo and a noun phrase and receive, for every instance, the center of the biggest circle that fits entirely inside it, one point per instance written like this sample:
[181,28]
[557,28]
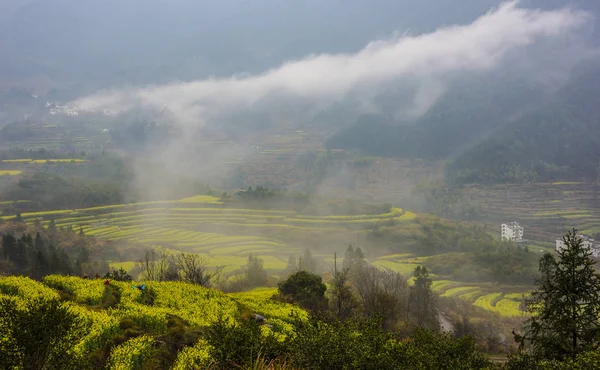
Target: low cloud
[477,47]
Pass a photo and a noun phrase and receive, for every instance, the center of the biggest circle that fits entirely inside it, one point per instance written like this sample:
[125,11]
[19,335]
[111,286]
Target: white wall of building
[512,231]
[587,242]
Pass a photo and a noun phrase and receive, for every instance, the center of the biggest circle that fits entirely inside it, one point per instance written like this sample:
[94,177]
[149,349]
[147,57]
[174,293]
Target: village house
[512,231]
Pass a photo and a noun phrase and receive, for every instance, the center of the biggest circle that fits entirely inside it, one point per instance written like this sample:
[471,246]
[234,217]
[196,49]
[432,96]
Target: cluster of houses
[55,109]
[512,231]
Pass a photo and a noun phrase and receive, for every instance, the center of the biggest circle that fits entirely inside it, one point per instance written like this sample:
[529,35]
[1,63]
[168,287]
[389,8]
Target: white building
[64,111]
[587,242]
[512,231]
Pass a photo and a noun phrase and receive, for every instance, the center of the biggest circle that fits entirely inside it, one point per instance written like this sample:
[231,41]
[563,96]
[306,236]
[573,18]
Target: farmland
[546,210]
[225,234]
[205,226]
[502,299]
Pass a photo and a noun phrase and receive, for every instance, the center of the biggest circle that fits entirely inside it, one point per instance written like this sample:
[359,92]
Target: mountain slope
[473,107]
[561,140]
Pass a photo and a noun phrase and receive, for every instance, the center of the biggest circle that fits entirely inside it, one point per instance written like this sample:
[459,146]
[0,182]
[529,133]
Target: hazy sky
[482,45]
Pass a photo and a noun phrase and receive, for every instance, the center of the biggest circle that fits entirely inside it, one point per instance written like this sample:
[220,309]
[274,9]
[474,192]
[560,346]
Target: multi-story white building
[512,231]
[587,242]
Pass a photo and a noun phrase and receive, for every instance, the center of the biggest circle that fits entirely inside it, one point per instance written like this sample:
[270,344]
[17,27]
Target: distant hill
[472,108]
[496,133]
[560,140]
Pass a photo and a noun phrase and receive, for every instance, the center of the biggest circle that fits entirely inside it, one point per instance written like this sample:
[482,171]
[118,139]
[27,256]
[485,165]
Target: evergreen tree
[52,227]
[359,258]
[348,258]
[353,259]
[342,302]
[19,218]
[15,250]
[255,272]
[39,243]
[305,289]
[422,299]
[292,266]
[307,262]
[9,246]
[41,267]
[566,304]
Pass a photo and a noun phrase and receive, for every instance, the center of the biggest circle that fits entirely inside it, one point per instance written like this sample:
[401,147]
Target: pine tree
[353,259]
[342,302]
[359,258]
[566,304]
[255,272]
[348,258]
[422,299]
[41,266]
[52,227]
[307,262]
[292,266]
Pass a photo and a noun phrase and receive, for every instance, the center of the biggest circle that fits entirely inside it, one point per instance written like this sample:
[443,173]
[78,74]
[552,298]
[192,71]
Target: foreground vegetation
[75,323]
[182,326]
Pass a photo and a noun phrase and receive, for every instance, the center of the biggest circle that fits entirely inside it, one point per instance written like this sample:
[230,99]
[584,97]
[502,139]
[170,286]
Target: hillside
[471,108]
[500,133]
[558,141]
[225,233]
[546,210]
[123,324]
[79,323]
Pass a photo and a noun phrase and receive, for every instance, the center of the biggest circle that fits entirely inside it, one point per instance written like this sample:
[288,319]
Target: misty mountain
[508,132]
[88,45]
[473,107]
[557,141]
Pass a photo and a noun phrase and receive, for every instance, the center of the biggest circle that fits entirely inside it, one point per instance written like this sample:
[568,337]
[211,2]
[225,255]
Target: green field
[202,224]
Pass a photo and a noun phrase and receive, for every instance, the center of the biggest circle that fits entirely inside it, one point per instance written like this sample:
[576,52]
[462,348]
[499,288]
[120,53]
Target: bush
[37,335]
[305,289]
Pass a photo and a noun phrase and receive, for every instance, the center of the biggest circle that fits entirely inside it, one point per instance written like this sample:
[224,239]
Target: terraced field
[205,226]
[43,161]
[225,236]
[502,299]
[546,210]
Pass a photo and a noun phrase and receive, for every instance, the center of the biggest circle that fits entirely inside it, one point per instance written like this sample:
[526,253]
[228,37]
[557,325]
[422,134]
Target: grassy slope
[108,310]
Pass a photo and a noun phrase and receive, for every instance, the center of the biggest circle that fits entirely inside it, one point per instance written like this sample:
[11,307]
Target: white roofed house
[512,231]
[588,242]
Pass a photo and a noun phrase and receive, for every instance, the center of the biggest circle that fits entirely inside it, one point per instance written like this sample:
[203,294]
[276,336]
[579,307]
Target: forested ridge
[557,140]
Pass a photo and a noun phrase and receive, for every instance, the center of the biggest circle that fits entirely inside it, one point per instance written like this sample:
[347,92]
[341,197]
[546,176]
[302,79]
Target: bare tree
[163,265]
[157,266]
[146,267]
[193,269]
[382,293]
[342,302]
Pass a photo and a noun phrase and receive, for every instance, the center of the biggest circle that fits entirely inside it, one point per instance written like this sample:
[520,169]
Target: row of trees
[361,290]
[162,265]
[38,256]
